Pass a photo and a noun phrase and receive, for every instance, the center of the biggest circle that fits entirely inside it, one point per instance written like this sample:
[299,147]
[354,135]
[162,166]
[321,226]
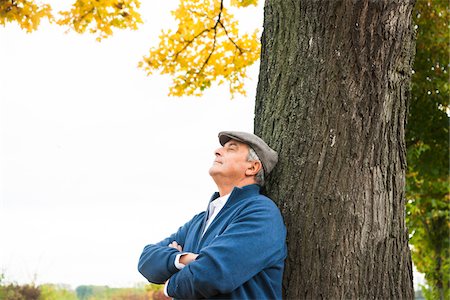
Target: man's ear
[255,167]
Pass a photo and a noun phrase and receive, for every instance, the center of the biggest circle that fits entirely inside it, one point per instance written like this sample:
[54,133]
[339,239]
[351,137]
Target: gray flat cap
[267,155]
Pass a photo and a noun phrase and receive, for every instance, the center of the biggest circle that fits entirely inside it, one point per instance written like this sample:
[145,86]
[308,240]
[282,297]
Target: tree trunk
[332,99]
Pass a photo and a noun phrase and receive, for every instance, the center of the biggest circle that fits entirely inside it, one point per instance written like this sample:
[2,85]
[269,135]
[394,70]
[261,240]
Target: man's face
[231,161]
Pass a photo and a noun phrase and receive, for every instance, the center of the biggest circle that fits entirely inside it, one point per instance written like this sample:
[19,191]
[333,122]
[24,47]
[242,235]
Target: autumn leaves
[205,48]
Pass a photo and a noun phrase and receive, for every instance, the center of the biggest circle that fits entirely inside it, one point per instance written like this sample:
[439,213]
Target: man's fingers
[175,245]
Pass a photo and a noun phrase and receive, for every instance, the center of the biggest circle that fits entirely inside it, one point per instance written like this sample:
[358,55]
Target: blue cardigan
[241,254]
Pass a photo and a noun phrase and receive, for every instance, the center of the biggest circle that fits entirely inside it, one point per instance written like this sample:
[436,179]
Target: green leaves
[427,178]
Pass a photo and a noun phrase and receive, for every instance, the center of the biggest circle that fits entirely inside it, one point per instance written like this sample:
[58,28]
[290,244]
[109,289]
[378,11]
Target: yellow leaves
[243,3]
[96,16]
[206,47]
[101,16]
[26,13]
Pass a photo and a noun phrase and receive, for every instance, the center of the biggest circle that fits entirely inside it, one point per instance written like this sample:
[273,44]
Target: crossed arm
[157,261]
[224,264]
[185,258]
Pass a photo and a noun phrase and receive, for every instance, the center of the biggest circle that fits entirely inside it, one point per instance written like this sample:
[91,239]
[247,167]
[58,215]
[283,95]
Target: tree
[84,291]
[332,98]
[14,291]
[56,292]
[428,149]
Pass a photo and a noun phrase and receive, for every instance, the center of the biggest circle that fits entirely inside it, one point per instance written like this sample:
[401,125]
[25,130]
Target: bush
[19,292]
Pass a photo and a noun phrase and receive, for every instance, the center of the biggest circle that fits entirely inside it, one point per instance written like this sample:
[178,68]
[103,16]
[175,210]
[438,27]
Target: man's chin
[211,170]
[214,170]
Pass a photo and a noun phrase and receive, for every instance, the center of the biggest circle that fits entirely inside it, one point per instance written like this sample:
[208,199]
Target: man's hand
[185,259]
[175,245]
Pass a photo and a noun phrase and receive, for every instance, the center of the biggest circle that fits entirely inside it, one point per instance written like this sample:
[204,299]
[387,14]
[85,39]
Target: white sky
[95,160]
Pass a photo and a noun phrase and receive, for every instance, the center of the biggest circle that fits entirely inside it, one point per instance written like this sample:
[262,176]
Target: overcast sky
[96,161]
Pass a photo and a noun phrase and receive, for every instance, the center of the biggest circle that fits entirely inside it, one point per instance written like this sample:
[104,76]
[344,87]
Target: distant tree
[155,292]
[84,292]
[56,292]
[19,292]
[127,294]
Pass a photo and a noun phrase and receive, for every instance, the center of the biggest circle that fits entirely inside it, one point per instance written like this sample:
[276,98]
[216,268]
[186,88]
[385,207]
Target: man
[234,250]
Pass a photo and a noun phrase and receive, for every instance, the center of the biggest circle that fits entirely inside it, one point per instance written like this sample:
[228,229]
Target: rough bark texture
[332,100]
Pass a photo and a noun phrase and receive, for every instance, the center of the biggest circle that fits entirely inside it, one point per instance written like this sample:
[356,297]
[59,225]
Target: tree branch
[226,32]
[190,42]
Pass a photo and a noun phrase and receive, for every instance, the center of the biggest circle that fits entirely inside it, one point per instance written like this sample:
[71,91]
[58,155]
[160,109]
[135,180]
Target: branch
[203,31]
[190,42]
[226,32]
[188,79]
[210,53]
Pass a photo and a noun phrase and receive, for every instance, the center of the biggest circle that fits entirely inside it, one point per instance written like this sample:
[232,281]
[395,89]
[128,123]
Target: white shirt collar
[219,202]
[214,208]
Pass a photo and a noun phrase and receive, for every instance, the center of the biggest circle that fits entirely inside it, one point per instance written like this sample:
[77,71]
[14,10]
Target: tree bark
[332,99]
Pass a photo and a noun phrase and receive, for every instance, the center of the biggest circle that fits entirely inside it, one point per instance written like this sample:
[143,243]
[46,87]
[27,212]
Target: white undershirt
[214,208]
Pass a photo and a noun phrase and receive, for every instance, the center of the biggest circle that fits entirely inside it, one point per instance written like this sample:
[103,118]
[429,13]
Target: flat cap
[267,155]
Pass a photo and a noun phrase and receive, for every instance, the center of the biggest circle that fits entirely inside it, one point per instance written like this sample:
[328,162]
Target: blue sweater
[241,254]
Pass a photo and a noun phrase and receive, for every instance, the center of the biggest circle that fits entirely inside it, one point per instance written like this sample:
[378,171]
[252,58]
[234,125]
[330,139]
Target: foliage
[206,47]
[84,291]
[19,292]
[155,291]
[92,292]
[100,16]
[56,292]
[26,13]
[427,180]
[96,16]
[87,292]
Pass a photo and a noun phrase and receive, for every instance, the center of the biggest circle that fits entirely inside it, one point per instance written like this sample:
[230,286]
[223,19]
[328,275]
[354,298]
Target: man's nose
[218,151]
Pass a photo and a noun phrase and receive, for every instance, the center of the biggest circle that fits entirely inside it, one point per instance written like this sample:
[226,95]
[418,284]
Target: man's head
[244,158]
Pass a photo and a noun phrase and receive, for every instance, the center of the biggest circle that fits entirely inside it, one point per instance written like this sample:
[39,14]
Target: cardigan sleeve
[157,261]
[253,241]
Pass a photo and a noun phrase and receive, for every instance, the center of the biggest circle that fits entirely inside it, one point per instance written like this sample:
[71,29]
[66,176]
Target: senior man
[236,248]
